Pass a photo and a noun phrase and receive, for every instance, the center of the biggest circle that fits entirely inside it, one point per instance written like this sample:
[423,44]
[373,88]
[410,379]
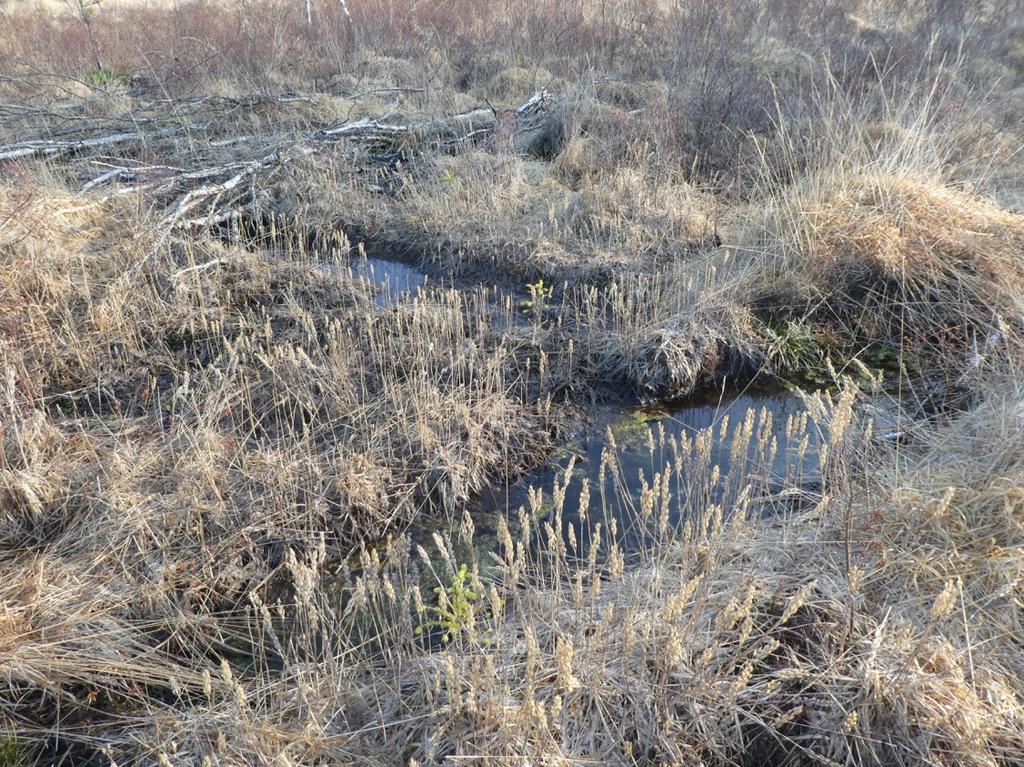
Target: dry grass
[839,634]
[231,473]
[485,214]
[173,425]
[895,259]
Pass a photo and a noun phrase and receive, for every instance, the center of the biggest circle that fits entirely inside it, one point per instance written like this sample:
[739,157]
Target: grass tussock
[476,211]
[898,251]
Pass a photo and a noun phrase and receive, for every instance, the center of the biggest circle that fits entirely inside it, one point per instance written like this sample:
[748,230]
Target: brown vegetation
[230,464]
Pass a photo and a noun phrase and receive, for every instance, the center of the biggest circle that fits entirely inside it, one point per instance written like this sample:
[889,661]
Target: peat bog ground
[557,383]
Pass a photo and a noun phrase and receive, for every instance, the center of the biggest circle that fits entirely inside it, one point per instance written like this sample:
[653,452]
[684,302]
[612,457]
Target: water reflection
[391,280]
[635,471]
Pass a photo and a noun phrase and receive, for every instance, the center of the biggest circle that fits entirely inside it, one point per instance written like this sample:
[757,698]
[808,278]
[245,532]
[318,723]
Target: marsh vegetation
[567,382]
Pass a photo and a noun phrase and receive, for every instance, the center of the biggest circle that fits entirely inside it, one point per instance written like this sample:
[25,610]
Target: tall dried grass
[213,449]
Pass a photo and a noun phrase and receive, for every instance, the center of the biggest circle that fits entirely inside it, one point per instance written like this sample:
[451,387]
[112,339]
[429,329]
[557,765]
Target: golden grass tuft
[900,226]
[511,83]
[892,259]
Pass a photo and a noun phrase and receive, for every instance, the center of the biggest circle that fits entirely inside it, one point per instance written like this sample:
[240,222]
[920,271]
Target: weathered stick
[52,148]
[460,127]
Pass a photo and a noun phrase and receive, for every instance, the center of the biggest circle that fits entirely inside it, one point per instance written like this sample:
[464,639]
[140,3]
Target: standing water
[636,471]
[391,279]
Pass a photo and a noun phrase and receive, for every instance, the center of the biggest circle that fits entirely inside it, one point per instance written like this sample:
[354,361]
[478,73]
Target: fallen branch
[466,126]
[121,174]
[202,189]
[54,148]
[199,267]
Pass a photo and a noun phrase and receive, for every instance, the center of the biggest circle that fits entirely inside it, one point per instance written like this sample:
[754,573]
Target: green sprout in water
[539,294]
[454,609]
[798,348]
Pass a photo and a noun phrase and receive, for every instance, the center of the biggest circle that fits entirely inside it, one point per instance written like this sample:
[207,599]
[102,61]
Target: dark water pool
[637,470]
[640,471]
